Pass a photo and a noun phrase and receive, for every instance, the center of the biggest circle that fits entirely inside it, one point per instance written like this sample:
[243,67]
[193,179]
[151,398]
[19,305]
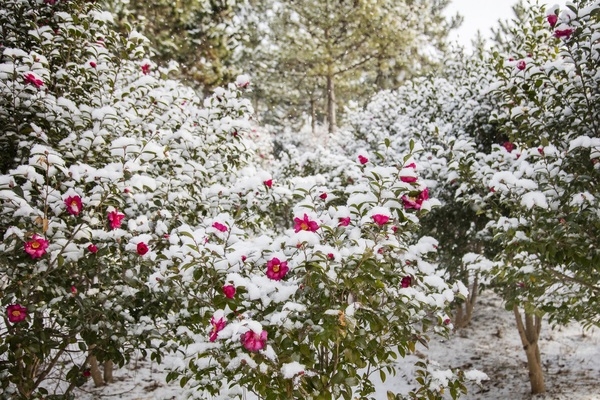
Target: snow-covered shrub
[102,158]
[541,186]
[311,313]
[445,113]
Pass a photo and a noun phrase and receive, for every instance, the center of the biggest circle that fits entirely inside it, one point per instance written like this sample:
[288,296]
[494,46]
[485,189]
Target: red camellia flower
[563,33]
[541,151]
[406,281]
[408,179]
[33,79]
[305,224]
[146,69]
[344,221]
[87,373]
[219,226]
[16,313]
[330,256]
[253,341]
[380,219]
[218,325]
[521,65]
[36,247]
[509,146]
[268,183]
[363,160]
[92,248]
[93,64]
[229,291]
[74,205]
[323,196]
[415,203]
[142,248]
[115,218]
[552,20]
[276,269]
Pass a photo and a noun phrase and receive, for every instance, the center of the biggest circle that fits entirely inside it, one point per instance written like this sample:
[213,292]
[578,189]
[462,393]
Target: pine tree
[319,54]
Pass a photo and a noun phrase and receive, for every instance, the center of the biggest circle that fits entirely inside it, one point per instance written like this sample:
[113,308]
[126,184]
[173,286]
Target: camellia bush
[136,219]
[102,159]
[315,311]
[446,113]
[540,187]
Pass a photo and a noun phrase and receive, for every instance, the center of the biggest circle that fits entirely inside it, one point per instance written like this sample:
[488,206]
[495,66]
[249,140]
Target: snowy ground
[571,359]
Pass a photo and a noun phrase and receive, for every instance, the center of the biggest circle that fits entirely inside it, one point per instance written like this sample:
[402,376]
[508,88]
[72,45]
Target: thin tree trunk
[464,312]
[108,371]
[95,372]
[331,117]
[530,334]
[313,115]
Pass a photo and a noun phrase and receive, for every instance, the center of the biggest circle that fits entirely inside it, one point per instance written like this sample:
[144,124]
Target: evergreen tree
[321,54]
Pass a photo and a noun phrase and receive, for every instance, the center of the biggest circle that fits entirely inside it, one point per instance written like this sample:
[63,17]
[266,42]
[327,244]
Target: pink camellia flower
[344,221]
[243,81]
[305,224]
[244,258]
[253,341]
[521,65]
[268,183]
[229,291]
[323,196]
[142,248]
[509,146]
[115,218]
[33,79]
[146,68]
[552,20]
[564,33]
[74,205]
[217,326]
[36,247]
[541,151]
[276,269]
[362,159]
[219,226]
[415,203]
[409,179]
[92,248]
[406,281]
[380,219]
[16,313]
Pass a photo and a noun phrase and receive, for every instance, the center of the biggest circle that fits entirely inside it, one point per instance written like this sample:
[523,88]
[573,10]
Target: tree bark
[95,372]
[108,371]
[529,331]
[331,118]
[464,312]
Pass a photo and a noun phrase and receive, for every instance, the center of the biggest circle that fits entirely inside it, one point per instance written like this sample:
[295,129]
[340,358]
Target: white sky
[482,15]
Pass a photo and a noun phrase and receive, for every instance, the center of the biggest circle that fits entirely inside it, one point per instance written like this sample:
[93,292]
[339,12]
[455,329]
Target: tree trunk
[530,333]
[313,114]
[95,372]
[108,371]
[464,312]
[331,120]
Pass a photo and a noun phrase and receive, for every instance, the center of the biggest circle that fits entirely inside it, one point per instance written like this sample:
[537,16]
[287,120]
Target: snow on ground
[571,359]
